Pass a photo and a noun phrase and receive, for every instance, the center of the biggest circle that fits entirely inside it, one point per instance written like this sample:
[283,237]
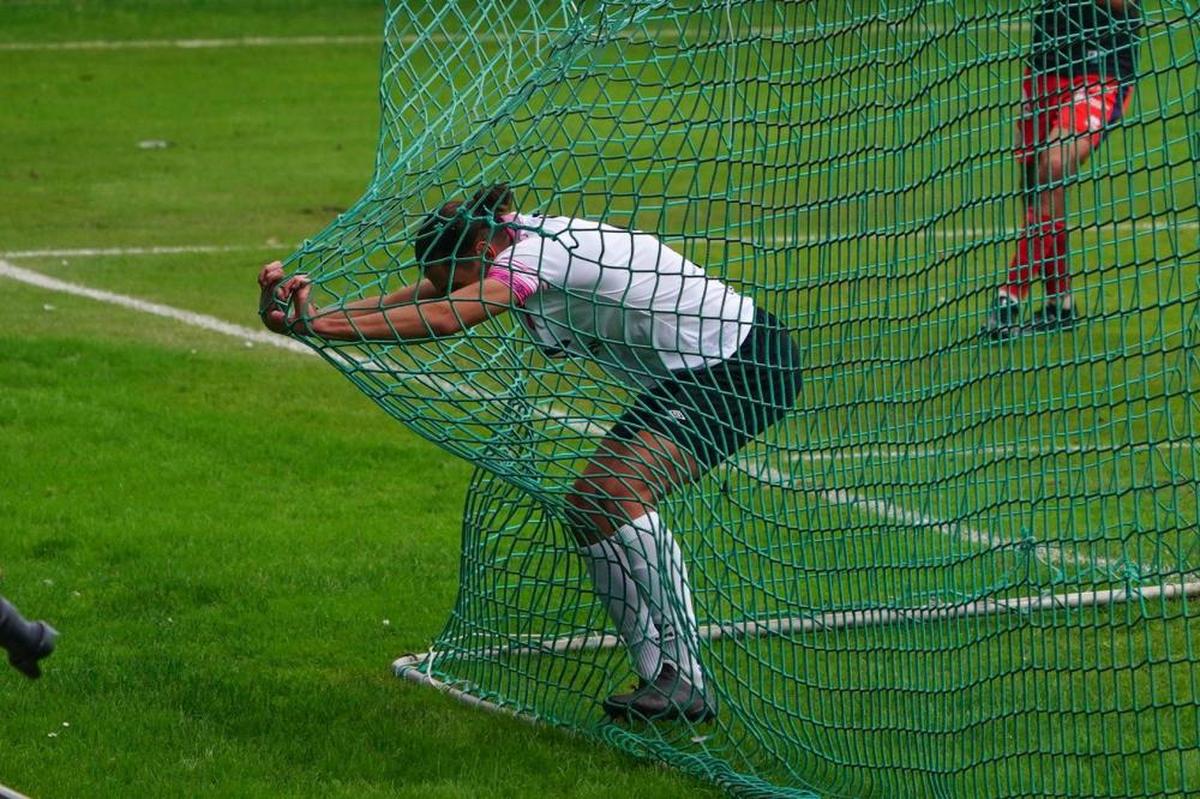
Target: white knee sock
[658,567]
[613,580]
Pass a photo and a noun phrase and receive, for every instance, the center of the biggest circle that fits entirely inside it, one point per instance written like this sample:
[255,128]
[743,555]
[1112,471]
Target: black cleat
[40,644]
[27,642]
[669,697]
[1051,318]
[1004,321]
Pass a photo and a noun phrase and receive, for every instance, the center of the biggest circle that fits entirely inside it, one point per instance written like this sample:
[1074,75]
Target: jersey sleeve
[530,264]
[516,277]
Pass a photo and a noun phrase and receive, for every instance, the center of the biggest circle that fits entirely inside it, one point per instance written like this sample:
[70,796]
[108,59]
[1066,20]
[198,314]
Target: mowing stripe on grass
[1161,227]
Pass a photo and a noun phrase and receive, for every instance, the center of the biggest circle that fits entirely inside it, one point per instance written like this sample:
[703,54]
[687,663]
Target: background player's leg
[1056,165]
[1029,260]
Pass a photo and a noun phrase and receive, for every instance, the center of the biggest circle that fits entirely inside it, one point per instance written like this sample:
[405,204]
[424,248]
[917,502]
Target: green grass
[221,531]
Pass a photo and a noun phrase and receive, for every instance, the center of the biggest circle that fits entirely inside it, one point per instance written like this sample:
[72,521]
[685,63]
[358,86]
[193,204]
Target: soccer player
[27,642]
[1077,87]
[712,371]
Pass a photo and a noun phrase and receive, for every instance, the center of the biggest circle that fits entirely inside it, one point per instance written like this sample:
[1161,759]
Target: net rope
[905,587]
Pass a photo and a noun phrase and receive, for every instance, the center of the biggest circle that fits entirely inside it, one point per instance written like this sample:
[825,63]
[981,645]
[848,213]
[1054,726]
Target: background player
[1077,87]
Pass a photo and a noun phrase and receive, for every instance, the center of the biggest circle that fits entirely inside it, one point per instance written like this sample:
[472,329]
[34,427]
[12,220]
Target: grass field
[236,543]
[233,541]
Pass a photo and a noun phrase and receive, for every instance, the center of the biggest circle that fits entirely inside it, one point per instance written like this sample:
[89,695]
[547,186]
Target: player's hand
[296,292]
[270,302]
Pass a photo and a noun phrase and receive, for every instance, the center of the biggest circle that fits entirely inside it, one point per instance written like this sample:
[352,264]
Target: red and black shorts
[1061,107]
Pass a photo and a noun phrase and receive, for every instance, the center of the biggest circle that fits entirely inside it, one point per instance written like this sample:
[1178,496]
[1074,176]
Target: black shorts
[713,412]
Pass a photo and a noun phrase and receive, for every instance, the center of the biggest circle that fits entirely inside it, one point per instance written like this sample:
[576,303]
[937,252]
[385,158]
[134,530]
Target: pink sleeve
[516,277]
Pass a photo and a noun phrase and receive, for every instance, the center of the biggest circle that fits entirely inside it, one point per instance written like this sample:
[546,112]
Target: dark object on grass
[27,642]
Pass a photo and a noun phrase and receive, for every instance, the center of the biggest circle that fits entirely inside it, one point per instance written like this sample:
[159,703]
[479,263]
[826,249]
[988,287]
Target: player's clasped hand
[280,300]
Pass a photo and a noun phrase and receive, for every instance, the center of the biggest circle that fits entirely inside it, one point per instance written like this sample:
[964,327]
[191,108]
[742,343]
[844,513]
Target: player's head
[455,240]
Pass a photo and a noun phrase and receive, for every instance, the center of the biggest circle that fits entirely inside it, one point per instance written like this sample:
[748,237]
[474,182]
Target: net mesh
[954,570]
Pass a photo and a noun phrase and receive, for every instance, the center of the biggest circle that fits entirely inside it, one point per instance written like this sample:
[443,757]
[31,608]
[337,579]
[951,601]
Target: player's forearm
[422,289]
[405,323]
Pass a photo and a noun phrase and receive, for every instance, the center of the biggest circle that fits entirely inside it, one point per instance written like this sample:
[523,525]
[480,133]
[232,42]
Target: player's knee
[600,502]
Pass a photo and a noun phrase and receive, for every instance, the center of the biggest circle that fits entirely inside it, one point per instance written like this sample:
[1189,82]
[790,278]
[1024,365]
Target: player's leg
[27,642]
[614,508]
[1093,115]
[1056,164]
[1042,99]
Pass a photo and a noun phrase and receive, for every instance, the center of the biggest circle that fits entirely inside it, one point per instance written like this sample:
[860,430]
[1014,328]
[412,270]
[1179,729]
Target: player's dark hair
[456,227]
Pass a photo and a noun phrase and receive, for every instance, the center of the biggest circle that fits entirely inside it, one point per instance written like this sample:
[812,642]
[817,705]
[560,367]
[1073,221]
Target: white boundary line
[759,471]
[444,37]
[102,252]
[188,44]
[203,321]
[9,793]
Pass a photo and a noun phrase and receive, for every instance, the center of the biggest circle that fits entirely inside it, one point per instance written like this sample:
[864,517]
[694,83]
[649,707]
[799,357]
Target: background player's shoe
[41,644]
[668,697]
[1004,321]
[1052,318]
[27,642]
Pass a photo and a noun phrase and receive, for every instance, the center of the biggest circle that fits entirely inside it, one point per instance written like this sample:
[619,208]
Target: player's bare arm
[384,319]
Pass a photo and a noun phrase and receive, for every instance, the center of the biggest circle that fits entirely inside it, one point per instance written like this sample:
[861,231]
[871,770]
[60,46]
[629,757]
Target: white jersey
[620,297]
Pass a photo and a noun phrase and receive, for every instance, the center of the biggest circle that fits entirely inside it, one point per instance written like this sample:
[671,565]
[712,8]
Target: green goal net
[960,567]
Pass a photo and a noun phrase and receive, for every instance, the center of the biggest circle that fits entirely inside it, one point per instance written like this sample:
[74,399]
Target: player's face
[453,273]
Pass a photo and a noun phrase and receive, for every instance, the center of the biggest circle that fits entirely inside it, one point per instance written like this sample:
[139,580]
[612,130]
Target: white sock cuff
[604,548]
[632,531]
